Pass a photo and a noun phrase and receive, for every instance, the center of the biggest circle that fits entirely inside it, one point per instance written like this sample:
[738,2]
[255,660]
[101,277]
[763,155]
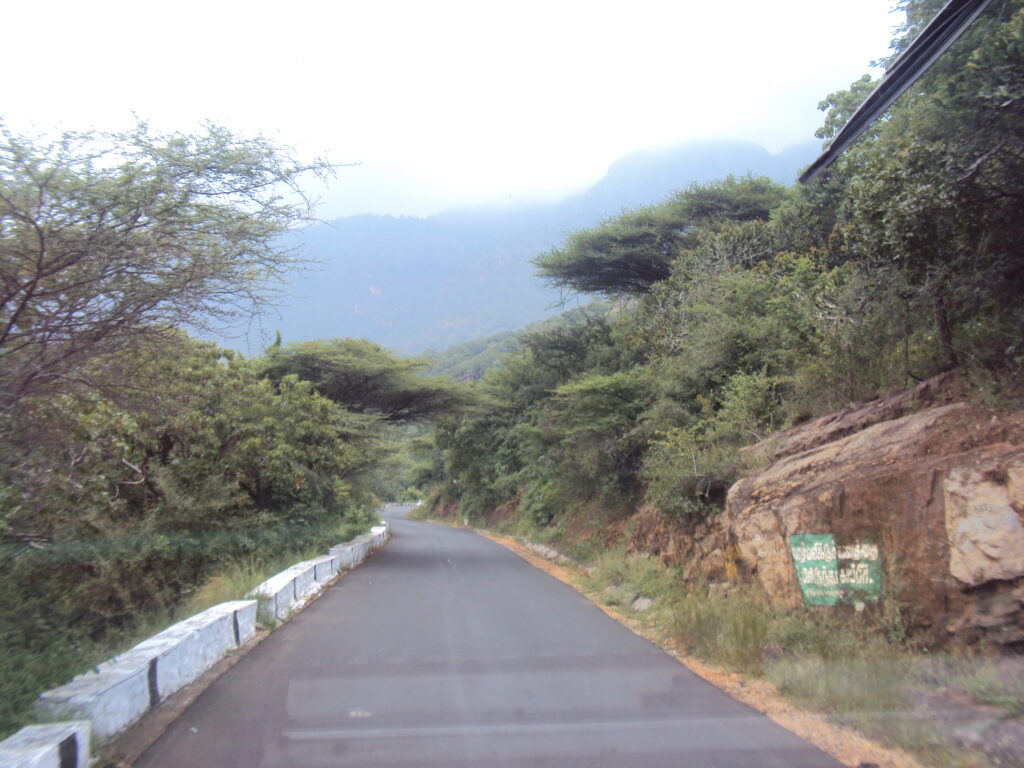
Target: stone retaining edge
[57,745]
[106,701]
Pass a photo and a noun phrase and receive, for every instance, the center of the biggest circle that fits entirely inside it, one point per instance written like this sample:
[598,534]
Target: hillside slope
[413,284]
[930,481]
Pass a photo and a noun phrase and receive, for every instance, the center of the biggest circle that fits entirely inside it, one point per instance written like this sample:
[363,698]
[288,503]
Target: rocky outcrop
[939,491]
[940,390]
[983,524]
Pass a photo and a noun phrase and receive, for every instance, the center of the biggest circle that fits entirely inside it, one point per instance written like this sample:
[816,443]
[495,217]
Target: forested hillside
[414,284]
[744,305]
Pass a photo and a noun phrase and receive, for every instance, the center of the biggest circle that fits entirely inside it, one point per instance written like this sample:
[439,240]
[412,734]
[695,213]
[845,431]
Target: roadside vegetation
[144,472]
[857,670]
[741,307]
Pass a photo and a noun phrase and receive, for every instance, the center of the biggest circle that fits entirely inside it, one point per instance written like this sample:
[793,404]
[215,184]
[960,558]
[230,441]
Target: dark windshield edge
[947,26]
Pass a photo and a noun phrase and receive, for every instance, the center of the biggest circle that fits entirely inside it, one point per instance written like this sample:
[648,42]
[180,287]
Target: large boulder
[983,520]
[939,492]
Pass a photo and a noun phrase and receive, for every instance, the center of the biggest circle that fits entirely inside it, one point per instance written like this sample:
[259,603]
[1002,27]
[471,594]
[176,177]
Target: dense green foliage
[629,254]
[746,306]
[469,360]
[135,461]
[364,378]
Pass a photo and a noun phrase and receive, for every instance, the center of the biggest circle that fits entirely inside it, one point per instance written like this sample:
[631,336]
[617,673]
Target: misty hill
[413,284]
[469,360]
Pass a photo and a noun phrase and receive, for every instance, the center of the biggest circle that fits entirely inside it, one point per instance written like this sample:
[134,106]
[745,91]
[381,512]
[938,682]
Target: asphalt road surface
[446,649]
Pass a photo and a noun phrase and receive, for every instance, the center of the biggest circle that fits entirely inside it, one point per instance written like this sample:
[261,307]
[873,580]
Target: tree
[735,199]
[621,256]
[108,240]
[365,378]
[839,106]
[936,192]
[200,441]
[629,254]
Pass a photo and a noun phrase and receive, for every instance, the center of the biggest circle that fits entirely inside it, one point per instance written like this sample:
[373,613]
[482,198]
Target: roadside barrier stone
[275,597]
[105,701]
[325,568]
[55,745]
[127,686]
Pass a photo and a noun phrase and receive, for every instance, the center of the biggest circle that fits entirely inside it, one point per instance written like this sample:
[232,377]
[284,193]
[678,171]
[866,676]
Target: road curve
[446,649]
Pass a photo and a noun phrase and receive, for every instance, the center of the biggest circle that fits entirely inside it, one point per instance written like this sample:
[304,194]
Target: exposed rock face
[986,537]
[835,426]
[939,490]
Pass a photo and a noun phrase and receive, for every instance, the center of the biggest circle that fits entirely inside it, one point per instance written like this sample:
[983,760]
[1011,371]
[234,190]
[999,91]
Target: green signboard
[828,574]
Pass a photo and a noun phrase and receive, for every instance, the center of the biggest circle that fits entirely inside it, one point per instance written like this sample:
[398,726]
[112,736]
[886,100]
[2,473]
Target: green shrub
[685,473]
[542,503]
[609,569]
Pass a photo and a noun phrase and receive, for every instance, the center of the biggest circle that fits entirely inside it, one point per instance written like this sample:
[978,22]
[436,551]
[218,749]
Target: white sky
[444,102]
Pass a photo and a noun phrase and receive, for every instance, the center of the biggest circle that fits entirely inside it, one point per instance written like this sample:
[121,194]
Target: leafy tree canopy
[935,192]
[365,378]
[737,199]
[629,254]
[109,239]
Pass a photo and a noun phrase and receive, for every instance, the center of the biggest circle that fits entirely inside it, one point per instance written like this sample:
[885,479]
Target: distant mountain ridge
[413,284]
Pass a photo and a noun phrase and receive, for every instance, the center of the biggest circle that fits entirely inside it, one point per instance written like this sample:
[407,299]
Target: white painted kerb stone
[347,555]
[55,745]
[305,579]
[325,568]
[112,699]
[125,687]
[276,596]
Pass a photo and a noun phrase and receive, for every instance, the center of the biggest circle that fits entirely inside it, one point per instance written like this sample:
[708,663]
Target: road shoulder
[847,746]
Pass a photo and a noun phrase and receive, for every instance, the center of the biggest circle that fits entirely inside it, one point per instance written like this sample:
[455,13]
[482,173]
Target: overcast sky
[444,102]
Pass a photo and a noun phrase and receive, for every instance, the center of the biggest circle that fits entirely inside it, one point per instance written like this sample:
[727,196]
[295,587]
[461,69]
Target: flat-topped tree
[365,378]
[626,255]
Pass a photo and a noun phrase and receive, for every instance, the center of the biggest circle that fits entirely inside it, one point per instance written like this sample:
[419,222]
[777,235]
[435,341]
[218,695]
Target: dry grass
[848,697]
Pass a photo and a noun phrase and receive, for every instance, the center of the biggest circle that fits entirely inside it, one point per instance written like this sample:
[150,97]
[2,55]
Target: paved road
[447,650]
